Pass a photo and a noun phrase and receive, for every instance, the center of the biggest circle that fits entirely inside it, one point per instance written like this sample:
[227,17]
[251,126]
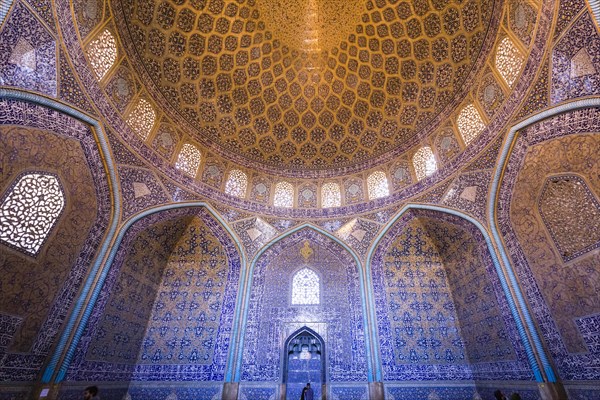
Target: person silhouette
[307,393]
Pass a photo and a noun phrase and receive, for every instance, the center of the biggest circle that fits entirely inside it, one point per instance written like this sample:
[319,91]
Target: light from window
[331,195]
[424,162]
[102,53]
[305,287]
[142,118]
[188,160]
[30,210]
[469,123]
[377,185]
[236,183]
[508,61]
[284,195]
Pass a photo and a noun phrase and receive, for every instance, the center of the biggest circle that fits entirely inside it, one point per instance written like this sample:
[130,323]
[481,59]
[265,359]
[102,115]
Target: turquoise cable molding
[595,7]
[530,355]
[90,306]
[4,8]
[370,340]
[505,153]
[14,94]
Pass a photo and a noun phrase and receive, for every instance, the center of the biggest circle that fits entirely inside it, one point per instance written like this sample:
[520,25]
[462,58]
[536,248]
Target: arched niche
[546,210]
[440,308]
[38,290]
[304,361]
[272,318]
[167,303]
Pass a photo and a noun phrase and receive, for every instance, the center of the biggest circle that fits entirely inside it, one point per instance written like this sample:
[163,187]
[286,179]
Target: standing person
[499,395]
[307,393]
[91,393]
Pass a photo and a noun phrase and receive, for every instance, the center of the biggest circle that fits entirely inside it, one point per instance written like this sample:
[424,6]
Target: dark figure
[515,396]
[90,393]
[499,396]
[307,393]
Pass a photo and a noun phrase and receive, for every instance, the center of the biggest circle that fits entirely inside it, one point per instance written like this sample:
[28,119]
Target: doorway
[304,361]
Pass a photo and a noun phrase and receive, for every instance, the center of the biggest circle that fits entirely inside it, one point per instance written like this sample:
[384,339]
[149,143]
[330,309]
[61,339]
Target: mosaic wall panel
[70,90]
[139,391]
[468,193]
[27,53]
[40,290]
[119,333]
[348,392]
[88,14]
[272,318]
[446,145]
[140,189]
[430,393]
[589,327]
[179,302]
[575,61]
[556,146]
[105,393]
[353,190]
[307,196]
[576,393]
[122,86]
[248,392]
[440,310]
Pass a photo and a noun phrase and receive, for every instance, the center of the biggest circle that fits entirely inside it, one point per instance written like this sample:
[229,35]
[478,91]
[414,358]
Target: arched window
[424,162]
[305,287]
[189,159]
[509,61]
[102,53]
[142,118]
[236,183]
[331,195]
[284,195]
[30,210]
[469,123]
[377,185]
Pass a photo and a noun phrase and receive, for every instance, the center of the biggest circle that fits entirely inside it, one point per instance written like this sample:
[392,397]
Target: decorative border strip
[492,217]
[104,149]
[505,286]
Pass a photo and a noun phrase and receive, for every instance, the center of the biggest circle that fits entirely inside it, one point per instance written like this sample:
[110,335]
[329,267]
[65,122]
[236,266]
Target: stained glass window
[424,162]
[236,183]
[142,118]
[30,210]
[331,195]
[469,123]
[102,53]
[377,185]
[284,195]
[189,159]
[508,61]
[305,287]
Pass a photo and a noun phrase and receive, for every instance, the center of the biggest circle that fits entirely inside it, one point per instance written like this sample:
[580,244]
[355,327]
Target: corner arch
[492,207]
[235,372]
[506,288]
[114,211]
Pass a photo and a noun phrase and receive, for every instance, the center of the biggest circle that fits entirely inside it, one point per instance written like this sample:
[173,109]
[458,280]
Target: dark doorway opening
[304,361]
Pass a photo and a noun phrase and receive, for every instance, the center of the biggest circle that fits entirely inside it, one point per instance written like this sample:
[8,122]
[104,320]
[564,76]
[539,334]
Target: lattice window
[377,185]
[331,195]
[142,118]
[284,195]
[30,210]
[469,123]
[305,287]
[236,184]
[102,53]
[424,162]
[189,159]
[509,61]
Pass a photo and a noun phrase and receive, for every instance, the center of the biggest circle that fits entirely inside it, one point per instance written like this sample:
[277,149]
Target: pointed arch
[323,350]
[234,369]
[506,288]
[228,239]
